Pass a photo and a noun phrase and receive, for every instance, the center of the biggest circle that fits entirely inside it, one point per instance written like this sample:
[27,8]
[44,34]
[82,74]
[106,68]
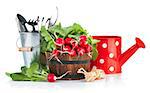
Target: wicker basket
[69,64]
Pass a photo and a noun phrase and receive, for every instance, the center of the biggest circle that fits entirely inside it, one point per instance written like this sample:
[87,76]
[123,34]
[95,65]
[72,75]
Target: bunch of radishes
[72,46]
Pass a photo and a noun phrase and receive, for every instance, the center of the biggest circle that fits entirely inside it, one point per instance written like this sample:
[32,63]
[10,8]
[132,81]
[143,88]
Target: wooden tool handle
[25,49]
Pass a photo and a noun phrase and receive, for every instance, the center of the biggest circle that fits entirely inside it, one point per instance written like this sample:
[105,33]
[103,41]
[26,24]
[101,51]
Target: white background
[127,18]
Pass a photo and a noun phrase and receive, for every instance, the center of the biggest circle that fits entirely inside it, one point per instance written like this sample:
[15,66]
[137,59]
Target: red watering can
[110,58]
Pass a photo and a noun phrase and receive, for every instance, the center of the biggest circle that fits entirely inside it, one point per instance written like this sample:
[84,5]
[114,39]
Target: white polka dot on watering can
[104,45]
[111,68]
[117,43]
[101,61]
[111,55]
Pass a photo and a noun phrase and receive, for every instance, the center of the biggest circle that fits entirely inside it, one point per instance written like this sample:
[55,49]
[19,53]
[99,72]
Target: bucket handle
[24,49]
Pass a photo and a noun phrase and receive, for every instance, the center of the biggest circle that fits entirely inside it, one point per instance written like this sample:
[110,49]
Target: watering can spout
[127,54]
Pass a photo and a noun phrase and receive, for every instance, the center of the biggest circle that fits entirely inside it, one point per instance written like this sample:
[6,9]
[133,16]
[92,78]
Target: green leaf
[43,34]
[23,69]
[43,31]
[19,77]
[43,45]
[74,36]
[94,41]
[60,32]
[94,53]
[29,72]
[34,67]
[89,40]
[49,45]
[44,67]
[47,38]
[47,41]
[77,27]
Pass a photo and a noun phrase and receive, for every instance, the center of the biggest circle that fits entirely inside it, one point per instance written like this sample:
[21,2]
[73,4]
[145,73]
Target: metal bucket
[30,42]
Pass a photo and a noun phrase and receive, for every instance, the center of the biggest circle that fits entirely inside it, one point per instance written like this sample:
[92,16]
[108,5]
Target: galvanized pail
[30,42]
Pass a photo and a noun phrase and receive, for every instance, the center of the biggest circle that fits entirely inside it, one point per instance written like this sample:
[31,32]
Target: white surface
[128,18]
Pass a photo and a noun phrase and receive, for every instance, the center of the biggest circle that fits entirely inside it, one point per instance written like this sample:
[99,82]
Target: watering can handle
[24,49]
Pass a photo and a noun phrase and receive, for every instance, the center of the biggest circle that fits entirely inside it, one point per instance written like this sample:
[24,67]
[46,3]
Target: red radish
[72,53]
[52,78]
[83,43]
[67,48]
[74,45]
[59,41]
[83,37]
[55,52]
[68,40]
[88,48]
[81,51]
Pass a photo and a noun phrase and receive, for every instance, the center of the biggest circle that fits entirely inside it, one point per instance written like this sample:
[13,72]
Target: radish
[81,51]
[83,43]
[74,45]
[67,48]
[55,52]
[60,41]
[68,40]
[83,37]
[72,53]
[88,48]
[52,78]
